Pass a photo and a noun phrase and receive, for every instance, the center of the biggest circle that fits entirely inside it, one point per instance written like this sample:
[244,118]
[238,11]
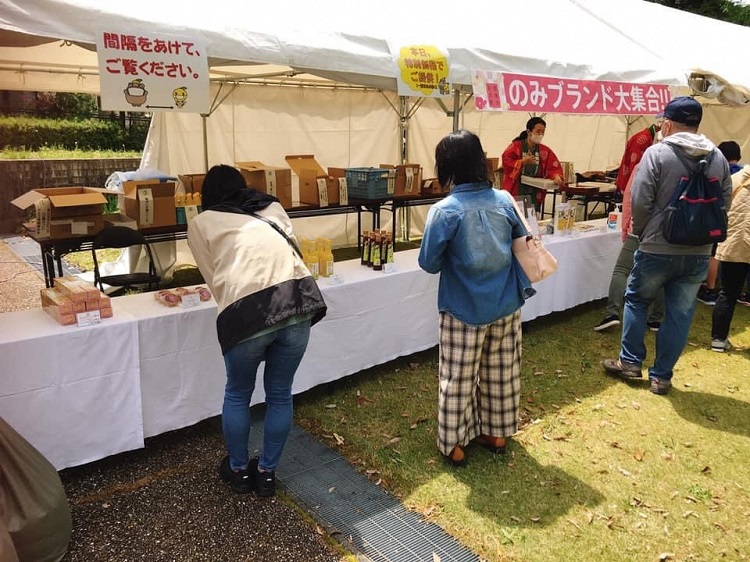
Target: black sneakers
[653,325]
[265,482]
[240,481]
[608,322]
[708,296]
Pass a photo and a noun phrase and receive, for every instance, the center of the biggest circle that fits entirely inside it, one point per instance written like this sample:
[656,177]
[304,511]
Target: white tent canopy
[350,42]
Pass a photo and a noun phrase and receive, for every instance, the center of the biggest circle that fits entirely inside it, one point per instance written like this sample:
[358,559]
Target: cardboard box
[432,186]
[64,212]
[274,180]
[408,179]
[150,202]
[316,187]
[193,183]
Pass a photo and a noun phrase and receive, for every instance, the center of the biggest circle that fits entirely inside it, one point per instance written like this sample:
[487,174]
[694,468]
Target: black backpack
[696,214]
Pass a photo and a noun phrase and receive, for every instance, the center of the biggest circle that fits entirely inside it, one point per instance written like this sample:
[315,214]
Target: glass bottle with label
[365,257]
[375,249]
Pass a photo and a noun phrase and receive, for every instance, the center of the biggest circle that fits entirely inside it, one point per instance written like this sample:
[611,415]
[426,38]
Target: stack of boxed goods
[71,296]
[272,180]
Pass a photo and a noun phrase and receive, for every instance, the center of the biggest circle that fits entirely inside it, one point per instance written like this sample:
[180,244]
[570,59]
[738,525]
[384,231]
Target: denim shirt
[467,239]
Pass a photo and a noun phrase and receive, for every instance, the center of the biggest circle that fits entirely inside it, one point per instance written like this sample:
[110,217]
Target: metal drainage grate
[358,512]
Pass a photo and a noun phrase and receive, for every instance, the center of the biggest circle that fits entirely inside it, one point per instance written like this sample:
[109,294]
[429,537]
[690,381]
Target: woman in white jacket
[734,257]
[244,246]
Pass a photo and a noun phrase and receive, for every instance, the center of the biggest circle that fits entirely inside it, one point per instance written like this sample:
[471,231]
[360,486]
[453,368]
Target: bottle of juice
[389,252]
[326,259]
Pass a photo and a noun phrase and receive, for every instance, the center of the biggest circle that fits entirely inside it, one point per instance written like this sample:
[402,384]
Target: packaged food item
[203,293]
[167,298]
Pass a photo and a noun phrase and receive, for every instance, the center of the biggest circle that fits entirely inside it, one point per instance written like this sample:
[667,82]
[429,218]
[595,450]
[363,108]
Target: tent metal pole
[456,107]
[204,121]
[403,128]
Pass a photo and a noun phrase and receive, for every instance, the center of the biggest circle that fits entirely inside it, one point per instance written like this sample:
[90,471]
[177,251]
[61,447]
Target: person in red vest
[634,149]
[526,155]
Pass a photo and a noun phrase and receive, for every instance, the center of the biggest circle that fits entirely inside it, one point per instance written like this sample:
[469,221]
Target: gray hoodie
[655,180]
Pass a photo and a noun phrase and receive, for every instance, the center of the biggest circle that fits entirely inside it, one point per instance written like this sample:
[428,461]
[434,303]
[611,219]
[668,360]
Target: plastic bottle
[326,259]
[310,257]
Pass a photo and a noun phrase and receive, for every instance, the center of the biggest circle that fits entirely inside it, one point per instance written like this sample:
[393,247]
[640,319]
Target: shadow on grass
[535,496]
[721,413]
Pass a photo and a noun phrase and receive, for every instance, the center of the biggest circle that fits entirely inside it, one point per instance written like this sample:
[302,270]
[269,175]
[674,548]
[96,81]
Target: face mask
[536,139]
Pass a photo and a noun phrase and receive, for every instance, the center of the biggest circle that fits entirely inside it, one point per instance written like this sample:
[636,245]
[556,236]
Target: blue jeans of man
[282,350]
[680,277]
[619,281]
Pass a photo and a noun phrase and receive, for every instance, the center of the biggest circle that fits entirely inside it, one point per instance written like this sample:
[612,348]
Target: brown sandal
[456,456]
[494,444]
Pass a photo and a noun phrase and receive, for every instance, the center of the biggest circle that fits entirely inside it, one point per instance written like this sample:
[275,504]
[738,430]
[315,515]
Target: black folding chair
[123,237]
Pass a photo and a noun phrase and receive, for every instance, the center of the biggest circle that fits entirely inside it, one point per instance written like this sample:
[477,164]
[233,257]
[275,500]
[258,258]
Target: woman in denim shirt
[467,240]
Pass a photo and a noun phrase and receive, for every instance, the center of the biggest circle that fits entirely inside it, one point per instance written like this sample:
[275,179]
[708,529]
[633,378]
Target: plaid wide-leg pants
[480,380]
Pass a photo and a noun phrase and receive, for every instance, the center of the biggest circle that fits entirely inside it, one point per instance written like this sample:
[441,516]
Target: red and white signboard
[503,91]
[152,72]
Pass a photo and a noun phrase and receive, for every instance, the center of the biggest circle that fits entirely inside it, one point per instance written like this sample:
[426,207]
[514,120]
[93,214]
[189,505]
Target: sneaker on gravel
[239,480]
[660,386]
[622,369]
[720,346]
[653,326]
[265,482]
[608,322]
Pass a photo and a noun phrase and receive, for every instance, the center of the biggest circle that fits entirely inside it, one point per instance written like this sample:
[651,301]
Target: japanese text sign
[498,91]
[422,70]
[152,72]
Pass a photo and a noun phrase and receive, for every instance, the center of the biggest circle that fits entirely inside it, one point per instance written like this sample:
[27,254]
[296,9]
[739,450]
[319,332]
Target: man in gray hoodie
[678,269]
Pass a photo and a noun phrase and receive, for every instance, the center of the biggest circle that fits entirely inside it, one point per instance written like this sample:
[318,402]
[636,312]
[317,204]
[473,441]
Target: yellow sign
[423,70]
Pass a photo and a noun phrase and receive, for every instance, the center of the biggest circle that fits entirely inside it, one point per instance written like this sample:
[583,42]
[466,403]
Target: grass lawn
[600,470]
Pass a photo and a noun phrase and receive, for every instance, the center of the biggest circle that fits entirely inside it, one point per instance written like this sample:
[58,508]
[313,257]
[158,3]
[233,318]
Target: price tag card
[335,279]
[190,300]
[88,318]
[389,268]
[343,192]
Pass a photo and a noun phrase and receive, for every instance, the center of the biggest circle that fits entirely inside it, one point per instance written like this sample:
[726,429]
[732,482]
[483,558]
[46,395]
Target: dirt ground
[19,282]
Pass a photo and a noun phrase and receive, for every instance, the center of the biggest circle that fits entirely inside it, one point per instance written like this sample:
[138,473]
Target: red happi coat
[634,149]
[549,165]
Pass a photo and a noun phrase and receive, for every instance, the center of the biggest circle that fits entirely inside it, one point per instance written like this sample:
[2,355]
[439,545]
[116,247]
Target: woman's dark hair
[221,183]
[459,158]
[530,124]
[730,150]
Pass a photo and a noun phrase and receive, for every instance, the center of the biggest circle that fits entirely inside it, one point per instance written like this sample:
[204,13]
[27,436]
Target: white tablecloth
[80,394]
[74,393]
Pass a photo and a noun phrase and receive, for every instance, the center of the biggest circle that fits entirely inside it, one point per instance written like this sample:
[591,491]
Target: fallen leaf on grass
[394,440]
[667,456]
[624,472]
[573,523]
[371,471]
[404,414]
[536,519]
[688,513]
[666,556]
[720,526]
[636,405]
[706,470]
[413,366]
[320,530]
[638,455]
[516,519]
[330,406]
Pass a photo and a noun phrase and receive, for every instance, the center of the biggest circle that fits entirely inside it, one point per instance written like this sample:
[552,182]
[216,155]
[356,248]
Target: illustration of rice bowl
[135,93]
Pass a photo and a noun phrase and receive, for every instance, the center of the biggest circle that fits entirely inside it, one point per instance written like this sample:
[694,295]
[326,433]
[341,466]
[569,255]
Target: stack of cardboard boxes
[71,296]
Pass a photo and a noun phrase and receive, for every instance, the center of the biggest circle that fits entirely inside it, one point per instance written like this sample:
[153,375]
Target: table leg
[48,267]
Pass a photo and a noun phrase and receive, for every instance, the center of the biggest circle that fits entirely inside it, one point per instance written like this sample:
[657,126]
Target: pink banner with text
[503,91]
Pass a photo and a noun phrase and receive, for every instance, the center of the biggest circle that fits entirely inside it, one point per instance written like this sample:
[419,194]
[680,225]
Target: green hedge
[90,134]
